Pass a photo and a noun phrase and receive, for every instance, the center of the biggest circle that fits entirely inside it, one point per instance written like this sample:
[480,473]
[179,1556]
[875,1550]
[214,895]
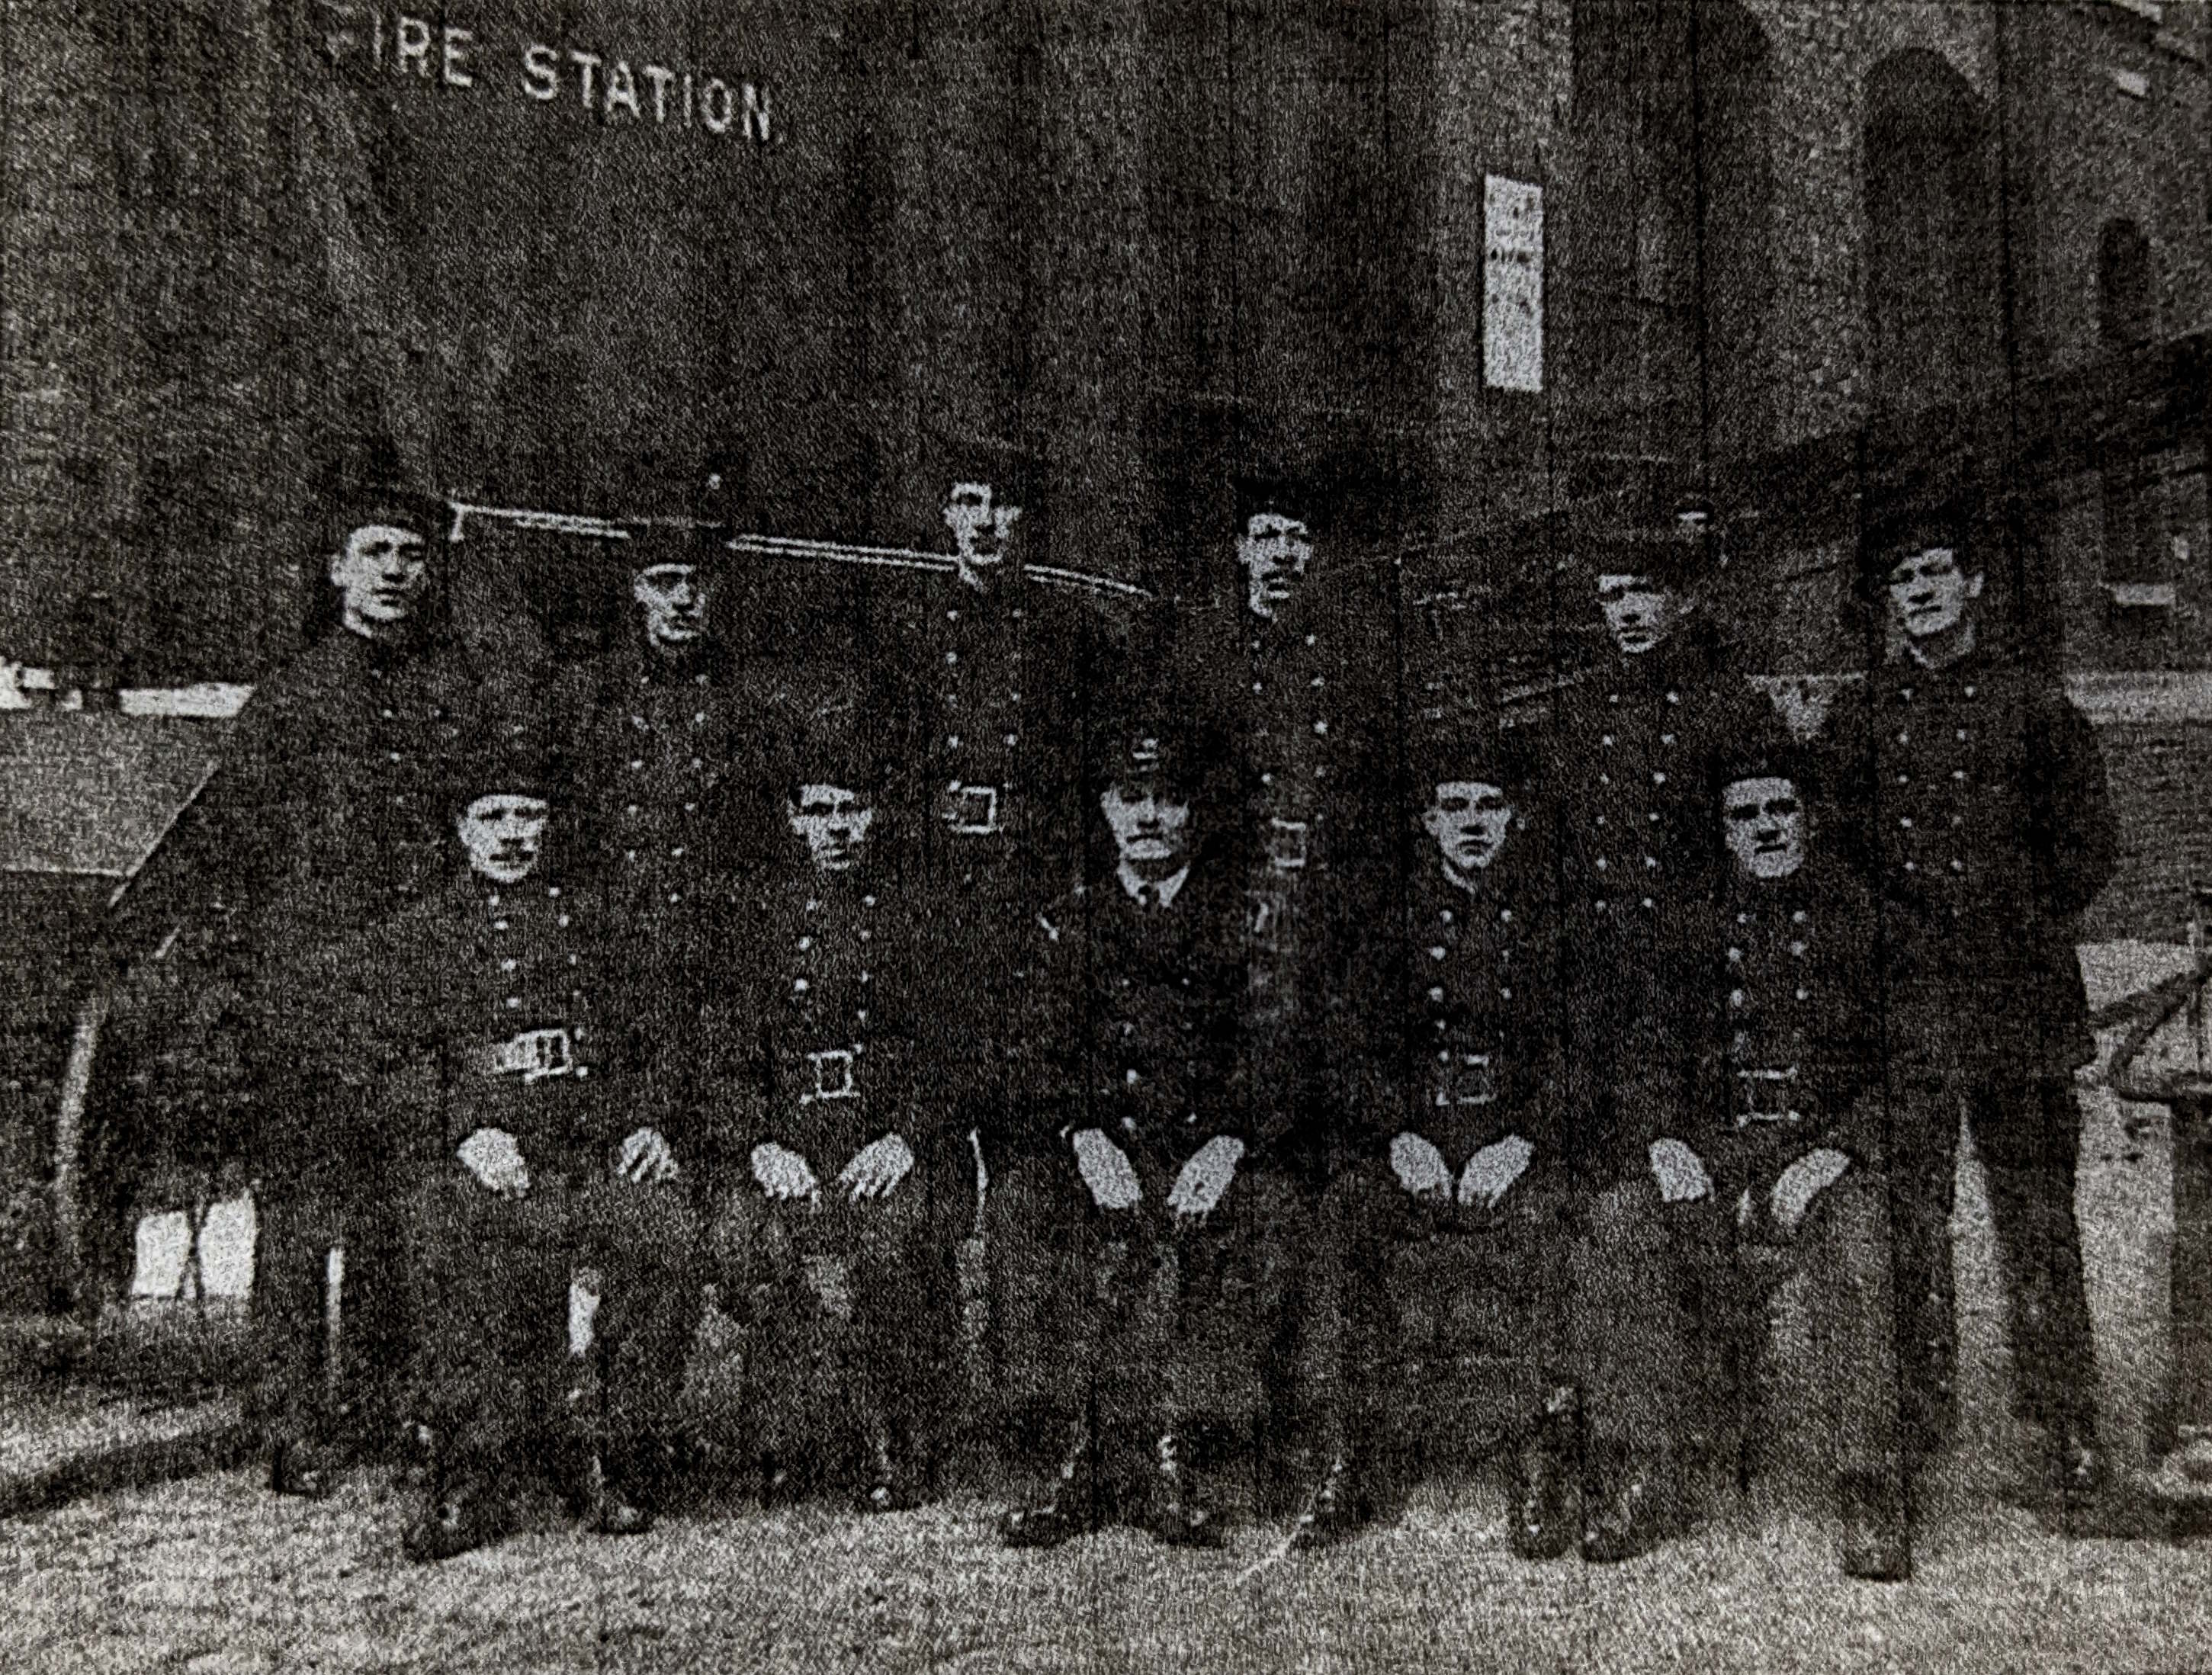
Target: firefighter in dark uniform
[546,1144]
[1465,1138]
[1987,828]
[1300,674]
[984,715]
[829,1230]
[680,744]
[1633,748]
[324,817]
[1791,1133]
[1168,1276]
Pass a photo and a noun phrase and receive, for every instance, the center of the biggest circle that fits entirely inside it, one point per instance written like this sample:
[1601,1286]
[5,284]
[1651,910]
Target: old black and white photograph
[1138,835]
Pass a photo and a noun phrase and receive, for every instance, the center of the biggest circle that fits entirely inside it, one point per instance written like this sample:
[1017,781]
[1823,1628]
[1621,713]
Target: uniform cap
[1766,750]
[1471,742]
[370,484]
[1282,495]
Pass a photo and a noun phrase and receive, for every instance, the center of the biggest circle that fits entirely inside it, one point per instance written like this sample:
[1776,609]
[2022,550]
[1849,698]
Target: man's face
[1150,824]
[674,601]
[1275,550]
[982,531]
[835,822]
[503,832]
[380,571]
[1470,820]
[1764,825]
[1929,592]
[1640,611]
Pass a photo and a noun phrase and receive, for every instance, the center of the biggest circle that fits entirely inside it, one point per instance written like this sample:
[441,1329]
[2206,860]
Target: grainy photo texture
[1128,835]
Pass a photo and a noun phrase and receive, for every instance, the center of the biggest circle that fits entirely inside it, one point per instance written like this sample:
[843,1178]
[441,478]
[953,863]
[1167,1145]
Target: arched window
[1933,305]
[1667,254]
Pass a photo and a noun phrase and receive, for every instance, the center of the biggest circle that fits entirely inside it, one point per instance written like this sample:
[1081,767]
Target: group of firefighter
[1197,955]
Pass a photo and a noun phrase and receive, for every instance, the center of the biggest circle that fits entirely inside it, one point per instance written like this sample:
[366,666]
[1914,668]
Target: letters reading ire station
[618,89]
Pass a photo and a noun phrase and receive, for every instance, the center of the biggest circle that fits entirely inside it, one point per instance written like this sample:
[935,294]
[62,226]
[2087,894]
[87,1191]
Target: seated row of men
[1145,1225]
[734,989]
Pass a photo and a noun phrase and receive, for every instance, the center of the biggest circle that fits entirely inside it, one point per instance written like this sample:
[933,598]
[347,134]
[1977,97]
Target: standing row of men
[684,966]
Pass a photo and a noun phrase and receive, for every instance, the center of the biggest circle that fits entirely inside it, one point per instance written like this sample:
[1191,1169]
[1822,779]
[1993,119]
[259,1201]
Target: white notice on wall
[1512,284]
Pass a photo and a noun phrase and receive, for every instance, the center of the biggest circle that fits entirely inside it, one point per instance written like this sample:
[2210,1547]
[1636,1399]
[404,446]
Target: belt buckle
[1765,1081]
[833,1076]
[534,1055]
[971,810]
[1286,845]
[1470,1080]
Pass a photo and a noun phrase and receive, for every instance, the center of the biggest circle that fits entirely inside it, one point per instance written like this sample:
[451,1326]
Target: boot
[1876,1544]
[1338,1509]
[890,1477]
[1542,1475]
[615,1499]
[1070,1510]
[1176,1510]
[1634,1510]
[301,1468]
[468,1512]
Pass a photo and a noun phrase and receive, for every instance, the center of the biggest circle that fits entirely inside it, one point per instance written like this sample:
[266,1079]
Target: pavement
[210,1574]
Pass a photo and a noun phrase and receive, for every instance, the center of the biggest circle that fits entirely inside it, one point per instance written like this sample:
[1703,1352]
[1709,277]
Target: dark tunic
[683,766]
[1794,982]
[488,1006]
[1481,1048]
[836,1054]
[329,808]
[1985,824]
[985,725]
[1309,705]
[1162,979]
[1634,753]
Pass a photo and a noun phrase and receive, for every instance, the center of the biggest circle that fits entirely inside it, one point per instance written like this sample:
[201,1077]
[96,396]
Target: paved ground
[210,1575]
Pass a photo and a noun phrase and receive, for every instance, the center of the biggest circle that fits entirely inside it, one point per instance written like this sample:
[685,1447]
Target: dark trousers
[1147,1320]
[2026,1130]
[300,1395]
[1843,1248]
[850,1308]
[494,1276]
[1396,1281]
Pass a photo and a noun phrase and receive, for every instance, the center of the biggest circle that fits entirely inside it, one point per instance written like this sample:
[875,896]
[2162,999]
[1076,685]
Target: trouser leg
[1343,1302]
[1629,1325]
[2027,1134]
[291,1253]
[1921,1142]
[1531,1234]
[642,1239]
[493,1302]
[1846,1254]
[1041,1323]
[1218,1298]
[904,1326]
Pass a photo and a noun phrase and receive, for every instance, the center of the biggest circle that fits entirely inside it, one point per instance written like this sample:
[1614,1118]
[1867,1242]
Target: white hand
[1207,1176]
[1106,1171]
[646,1157]
[782,1173]
[1680,1175]
[877,1168]
[1491,1173]
[1420,1167]
[1803,1182]
[495,1160]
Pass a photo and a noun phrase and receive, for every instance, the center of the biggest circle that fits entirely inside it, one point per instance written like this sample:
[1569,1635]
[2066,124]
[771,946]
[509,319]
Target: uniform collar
[1164,891]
